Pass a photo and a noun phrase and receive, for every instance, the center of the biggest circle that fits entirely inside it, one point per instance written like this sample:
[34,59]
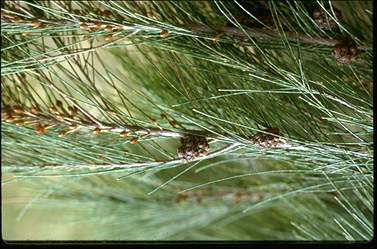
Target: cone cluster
[264,140]
[193,147]
[345,52]
[323,20]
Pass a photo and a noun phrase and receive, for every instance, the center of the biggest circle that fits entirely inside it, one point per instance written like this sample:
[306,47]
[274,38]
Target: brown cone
[323,20]
[263,140]
[193,147]
[345,52]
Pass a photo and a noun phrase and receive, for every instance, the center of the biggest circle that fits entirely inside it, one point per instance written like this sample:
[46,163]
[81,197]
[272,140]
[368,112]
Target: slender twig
[82,51]
[104,127]
[140,165]
[260,33]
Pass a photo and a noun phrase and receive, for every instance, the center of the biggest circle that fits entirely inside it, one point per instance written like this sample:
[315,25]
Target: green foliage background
[83,187]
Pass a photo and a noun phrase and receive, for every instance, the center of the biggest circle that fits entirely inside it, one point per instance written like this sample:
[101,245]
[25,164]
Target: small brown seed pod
[92,29]
[97,131]
[35,110]
[41,129]
[237,198]
[63,133]
[19,122]
[36,24]
[109,38]
[345,52]
[193,147]
[6,115]
[181,197]
[323,20]
[173,123]
[16,19]
[53,110]
[98,12]
[72,110]
[60,117]
[153,121]
[164,33]
[98,25]
[106,13]
[84,26]
[216,39]
[109,28]
[17,109]
[73,127]
[264,140]
[152,15]
[9,119]
[133,140]
[124,133]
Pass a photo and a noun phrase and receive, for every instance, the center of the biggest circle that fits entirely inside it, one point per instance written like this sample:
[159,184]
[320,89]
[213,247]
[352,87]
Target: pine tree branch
[260,33]
[55,118]
[139,165]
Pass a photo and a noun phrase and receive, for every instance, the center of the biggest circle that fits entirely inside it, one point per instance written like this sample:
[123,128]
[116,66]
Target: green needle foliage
[98,98]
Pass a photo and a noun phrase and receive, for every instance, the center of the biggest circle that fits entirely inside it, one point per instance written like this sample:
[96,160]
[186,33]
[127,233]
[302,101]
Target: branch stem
[260,33]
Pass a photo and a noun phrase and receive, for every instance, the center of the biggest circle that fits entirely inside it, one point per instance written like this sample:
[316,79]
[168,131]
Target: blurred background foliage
[165,65]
